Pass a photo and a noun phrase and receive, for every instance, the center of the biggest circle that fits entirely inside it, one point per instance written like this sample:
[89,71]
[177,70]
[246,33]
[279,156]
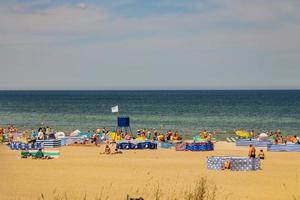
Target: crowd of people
[8,131]
[154,134]
[43,133]
[281,139]
[95,136]
[276,136]
[25,137]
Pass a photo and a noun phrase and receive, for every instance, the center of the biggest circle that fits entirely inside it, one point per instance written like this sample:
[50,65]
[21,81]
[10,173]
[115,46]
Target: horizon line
[170,89]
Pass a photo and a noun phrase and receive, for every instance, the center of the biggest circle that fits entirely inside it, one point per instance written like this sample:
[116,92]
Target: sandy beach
[83,171]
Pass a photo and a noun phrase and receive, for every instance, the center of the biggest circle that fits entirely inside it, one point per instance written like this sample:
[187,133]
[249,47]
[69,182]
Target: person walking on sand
[252,151]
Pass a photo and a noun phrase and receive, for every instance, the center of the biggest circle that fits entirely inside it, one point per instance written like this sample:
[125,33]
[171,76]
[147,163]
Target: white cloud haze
[216,44]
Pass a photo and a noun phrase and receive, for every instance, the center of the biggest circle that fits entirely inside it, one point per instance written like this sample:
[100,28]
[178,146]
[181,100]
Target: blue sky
[141,44]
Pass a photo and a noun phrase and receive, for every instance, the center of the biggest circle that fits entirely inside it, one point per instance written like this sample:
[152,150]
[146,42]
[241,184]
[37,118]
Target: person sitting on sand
[155,134]
[24,138]
[1,135]
[261,154]
[251,152]
[161,138]
[1,138]
[208,138]
[176,137]
[298,140]
[148,134]
[107,150]
[294,139]
[40,155]
[128,137]
[169,135]
[284,140]
[143,133]
[280,140]
[51,135]
[138,132]
[95,139]
[10,137]
[41,135]
[252,133]
[203,134]
[227,165]
[24,154]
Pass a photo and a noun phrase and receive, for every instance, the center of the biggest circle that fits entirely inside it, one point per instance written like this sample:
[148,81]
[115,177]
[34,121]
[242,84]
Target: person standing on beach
[261,155]
[1,135]
[155,134]
[251,152]
[40,135]
[169,135]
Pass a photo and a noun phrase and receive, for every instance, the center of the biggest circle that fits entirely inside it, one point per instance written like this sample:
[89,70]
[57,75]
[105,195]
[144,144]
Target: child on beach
[261,154]
[227,165]
[107,150]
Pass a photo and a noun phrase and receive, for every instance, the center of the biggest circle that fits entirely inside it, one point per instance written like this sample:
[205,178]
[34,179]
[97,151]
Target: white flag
[115,109]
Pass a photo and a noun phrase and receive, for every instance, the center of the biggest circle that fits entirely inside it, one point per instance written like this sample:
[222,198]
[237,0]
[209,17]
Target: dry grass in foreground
[201,190]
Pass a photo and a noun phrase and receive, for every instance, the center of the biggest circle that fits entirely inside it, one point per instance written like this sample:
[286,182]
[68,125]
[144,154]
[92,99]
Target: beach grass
[202,189]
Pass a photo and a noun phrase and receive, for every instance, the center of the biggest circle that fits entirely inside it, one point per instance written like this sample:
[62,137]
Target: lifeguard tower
[123,124]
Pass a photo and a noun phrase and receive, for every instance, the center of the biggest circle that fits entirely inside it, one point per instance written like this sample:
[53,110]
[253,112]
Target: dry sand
[82,170]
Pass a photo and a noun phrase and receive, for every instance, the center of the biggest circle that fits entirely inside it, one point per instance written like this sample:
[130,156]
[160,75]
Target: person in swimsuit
[251,152]
[261,154]
[227,165]
[107,150]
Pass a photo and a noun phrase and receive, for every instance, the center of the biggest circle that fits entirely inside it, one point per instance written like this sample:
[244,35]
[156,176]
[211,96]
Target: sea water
[185,111]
